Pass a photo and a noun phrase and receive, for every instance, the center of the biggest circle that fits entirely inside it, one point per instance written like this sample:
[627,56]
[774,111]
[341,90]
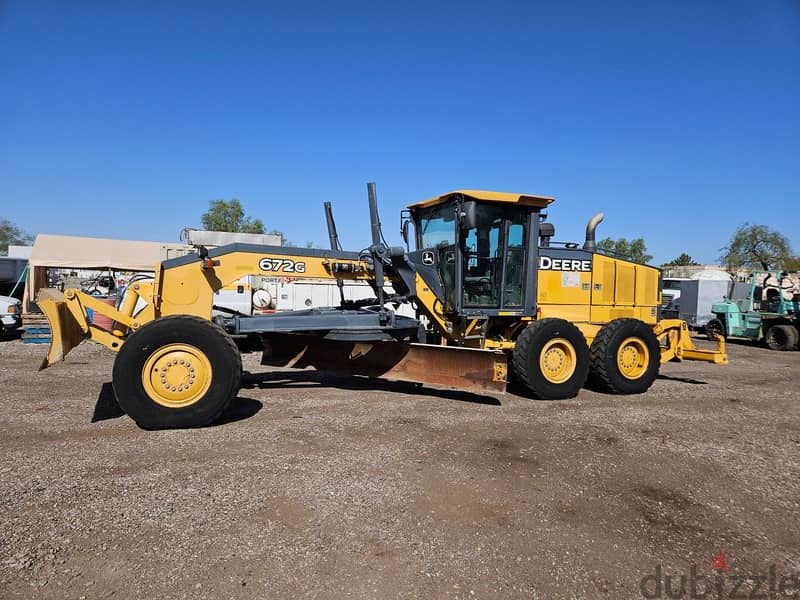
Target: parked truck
[10,316]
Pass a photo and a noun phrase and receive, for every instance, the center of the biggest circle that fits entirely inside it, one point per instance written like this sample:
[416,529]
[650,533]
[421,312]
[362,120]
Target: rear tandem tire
[176,372]
[625,357]
[551,359]
[781,337]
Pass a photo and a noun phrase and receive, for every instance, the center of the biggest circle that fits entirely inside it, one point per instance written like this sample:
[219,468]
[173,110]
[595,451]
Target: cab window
[437,227]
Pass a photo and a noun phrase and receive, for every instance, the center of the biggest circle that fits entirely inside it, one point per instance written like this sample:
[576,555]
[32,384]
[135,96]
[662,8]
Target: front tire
[781,337]
[551,359]
[176,372]
[625,357]
[715,326]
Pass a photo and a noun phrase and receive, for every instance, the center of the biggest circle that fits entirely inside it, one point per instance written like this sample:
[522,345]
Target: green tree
[683,260]
[10,234]
[228,215]
[792,265]
[756,246]
[635,250]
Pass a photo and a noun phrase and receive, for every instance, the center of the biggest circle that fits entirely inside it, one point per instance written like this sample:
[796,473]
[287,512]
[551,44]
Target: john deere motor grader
[494,298]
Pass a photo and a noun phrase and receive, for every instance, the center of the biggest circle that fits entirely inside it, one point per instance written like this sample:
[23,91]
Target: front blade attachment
[66,331]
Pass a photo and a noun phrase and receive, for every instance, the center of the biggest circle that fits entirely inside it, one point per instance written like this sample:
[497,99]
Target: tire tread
[233,350]
[602,375]
[790,333]
[524,357]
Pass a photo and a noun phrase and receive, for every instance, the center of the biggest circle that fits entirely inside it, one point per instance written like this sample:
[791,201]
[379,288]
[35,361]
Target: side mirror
[468,217]
[404,232]
[546,231]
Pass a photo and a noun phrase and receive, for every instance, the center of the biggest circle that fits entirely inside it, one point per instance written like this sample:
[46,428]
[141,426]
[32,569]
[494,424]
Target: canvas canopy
[71,252]
[64,251]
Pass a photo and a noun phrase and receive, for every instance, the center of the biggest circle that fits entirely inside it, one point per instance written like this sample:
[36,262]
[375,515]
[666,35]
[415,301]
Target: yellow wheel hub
[633,358]
[558,360]
[176,375]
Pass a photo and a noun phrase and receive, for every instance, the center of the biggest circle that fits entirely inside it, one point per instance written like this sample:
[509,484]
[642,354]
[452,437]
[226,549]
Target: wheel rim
[633,358]
[177,375]
[558,360]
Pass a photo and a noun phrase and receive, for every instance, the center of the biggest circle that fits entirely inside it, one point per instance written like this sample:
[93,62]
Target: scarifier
[495,298]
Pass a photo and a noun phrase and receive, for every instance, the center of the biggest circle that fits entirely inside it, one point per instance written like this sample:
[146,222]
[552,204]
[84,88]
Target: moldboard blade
[463,368]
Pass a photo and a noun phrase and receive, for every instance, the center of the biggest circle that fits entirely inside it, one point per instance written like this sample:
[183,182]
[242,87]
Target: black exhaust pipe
[590,244]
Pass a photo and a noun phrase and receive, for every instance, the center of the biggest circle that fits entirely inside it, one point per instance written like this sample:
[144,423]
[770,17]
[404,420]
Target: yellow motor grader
[494,297]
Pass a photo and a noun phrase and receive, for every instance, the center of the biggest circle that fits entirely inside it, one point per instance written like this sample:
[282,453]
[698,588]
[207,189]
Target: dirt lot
[338,487]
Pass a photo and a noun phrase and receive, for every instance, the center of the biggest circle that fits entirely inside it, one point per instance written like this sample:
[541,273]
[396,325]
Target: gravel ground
[335,487]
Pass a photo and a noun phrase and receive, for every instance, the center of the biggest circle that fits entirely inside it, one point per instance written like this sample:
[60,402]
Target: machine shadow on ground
[106,408]
[313,379]
[688,380]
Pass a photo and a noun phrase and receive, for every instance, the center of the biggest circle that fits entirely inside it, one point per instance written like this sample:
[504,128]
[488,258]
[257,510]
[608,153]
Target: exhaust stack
[590,244]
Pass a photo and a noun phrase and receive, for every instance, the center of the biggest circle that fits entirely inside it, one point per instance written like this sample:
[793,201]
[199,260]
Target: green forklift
[759,312]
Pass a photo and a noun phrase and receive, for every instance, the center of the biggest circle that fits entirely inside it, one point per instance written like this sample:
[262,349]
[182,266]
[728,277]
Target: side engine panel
[623,289]
[582,286]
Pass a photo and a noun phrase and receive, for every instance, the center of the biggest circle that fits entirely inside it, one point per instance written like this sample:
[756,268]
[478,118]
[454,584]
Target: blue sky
[679,120]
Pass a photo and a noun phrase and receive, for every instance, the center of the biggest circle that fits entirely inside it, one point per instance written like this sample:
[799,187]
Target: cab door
[494,260]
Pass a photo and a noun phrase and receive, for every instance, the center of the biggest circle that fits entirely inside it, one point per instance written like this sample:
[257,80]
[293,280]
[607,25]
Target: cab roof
[488,196]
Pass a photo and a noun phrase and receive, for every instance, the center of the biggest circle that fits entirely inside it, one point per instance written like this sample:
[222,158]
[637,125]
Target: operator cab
[483,247]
